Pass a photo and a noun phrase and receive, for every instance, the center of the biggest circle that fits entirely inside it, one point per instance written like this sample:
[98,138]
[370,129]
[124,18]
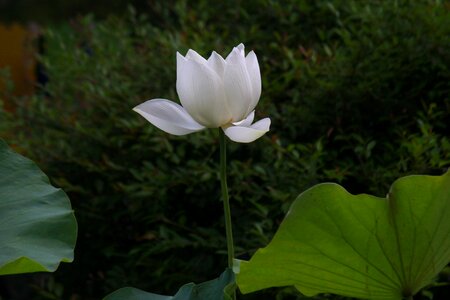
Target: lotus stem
[226,199]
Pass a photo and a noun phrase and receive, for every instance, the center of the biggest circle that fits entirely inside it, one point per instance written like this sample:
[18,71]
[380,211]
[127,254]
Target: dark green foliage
[55,11]
[358,93]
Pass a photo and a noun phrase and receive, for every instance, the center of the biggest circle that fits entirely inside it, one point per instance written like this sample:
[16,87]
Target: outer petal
[248,134]
[241,49]
[247,121]
[255,77]
[168,116]
[193,55]
[237,84]
[217,63]
[201,93]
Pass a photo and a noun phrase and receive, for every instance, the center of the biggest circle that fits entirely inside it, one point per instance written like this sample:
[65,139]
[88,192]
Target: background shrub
[357,92]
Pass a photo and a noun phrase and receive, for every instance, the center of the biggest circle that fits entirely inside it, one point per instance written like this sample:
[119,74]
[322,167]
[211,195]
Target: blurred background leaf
[38,228]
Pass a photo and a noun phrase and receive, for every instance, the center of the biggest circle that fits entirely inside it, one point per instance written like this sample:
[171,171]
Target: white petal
[168,116]
[237,85]
[201,93]
[217,63]
[243,134]
[255,78]
[241,49]
[191,54]
[247,121]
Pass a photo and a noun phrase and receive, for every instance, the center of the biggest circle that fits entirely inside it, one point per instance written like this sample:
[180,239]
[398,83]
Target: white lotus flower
[214,93]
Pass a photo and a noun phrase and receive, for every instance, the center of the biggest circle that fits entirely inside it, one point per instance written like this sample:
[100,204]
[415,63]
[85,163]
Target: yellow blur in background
[17,53]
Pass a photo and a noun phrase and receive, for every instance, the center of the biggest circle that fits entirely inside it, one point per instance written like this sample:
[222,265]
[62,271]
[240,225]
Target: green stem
[225,198]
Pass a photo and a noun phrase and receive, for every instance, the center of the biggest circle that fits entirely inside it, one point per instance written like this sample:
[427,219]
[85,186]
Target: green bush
[357,92]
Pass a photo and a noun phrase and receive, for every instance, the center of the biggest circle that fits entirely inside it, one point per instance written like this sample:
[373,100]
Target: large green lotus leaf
[37,225]
[358,245]
[218,289]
